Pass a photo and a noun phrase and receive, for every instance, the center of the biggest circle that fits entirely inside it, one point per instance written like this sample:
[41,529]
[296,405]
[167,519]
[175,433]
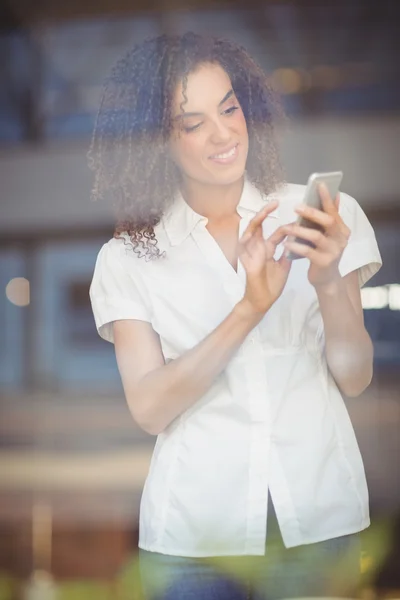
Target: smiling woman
[235,357]
[154,117]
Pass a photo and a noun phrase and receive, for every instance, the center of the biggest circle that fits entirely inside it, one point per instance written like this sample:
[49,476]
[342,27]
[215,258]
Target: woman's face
[209,143]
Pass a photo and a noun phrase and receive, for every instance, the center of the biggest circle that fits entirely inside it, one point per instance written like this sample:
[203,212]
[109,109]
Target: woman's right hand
[265,276]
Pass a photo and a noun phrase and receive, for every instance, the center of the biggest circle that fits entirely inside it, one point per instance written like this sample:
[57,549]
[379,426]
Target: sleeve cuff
[106,313]
[361,256]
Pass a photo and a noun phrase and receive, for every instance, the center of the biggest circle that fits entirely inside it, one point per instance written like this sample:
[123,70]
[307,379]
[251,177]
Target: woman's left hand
[329,243]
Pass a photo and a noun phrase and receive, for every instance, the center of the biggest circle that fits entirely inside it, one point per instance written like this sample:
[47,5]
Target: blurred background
[72,462]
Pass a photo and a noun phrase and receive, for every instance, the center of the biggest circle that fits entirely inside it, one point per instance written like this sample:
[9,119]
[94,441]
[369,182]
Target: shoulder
[118,261]
[349,207]
[118,251]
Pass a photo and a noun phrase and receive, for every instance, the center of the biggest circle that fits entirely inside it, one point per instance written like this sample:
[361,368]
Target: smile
[227,156]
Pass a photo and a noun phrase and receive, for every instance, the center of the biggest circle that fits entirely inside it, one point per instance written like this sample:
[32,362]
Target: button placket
[260,442]
[254,370]
[258,488]
[233,284]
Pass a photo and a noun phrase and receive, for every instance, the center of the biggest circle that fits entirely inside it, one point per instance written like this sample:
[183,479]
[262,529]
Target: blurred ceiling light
[359,74]
[385,296]
[327,77]
[394,297]
[287,81]
[306,79]
[18,292]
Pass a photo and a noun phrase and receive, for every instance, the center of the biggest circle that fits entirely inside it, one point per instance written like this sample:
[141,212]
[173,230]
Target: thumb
[284,262]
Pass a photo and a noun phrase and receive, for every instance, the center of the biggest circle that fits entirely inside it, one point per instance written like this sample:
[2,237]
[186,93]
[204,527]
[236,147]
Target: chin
[230,177]
[230,180]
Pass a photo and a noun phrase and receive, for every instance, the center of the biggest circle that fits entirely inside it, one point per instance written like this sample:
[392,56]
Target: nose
[220,132]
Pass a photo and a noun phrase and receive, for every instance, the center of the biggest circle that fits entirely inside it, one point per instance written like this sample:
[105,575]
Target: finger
[315,255]
[314,236]
[285,262]
[253,256]
[274,240]
[258,219]
[316,216]
[258,234]
[244,255]
[247,240]
[332,207]
[254,246]
[328,203]
[299,249]
[278,235]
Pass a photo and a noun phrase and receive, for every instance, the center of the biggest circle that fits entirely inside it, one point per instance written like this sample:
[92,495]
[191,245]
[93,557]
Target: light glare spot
[381,297]
[394,297]
[287,81]
[18,292]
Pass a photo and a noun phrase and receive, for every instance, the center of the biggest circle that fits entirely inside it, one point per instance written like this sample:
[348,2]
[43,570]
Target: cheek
[240,123]
[187,148]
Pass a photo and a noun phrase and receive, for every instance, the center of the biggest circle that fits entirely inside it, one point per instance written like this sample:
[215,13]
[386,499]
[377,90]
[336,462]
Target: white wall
[49,186]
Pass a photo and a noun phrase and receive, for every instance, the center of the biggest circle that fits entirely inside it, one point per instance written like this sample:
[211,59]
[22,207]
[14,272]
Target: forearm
[348,347]
[166,392]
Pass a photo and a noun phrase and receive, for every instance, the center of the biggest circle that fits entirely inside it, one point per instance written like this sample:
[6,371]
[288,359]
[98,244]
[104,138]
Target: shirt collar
[180,220]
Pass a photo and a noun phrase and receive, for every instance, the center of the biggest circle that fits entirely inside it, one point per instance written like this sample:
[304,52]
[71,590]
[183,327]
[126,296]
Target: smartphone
[332,180]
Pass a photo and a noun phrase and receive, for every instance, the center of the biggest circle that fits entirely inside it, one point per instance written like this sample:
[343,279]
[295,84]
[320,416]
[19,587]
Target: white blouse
[274,420]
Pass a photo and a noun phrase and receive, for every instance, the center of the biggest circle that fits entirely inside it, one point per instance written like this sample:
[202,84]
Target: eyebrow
[198,114]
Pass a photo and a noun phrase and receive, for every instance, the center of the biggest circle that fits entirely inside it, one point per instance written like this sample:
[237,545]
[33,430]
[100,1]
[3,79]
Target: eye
[230,110]
[191,128]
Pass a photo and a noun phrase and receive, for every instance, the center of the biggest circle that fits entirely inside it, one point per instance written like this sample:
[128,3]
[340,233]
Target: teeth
[226,154]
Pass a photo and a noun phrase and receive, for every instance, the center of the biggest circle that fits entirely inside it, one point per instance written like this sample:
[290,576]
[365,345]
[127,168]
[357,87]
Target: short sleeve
[115,292]
[362,252]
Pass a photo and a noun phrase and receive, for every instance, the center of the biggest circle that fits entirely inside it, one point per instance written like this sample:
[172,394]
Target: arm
[156,392]
[348,347]
[349,350]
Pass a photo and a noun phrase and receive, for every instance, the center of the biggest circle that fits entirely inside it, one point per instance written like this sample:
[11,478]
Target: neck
[214,202]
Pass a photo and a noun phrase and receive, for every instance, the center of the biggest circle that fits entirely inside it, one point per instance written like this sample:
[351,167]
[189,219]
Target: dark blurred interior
[72,462]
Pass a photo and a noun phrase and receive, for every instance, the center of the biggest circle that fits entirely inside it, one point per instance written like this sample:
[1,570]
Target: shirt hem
[316,540]
[210,554]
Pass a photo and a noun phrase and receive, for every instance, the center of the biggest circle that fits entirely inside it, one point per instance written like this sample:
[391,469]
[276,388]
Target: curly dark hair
[129,151]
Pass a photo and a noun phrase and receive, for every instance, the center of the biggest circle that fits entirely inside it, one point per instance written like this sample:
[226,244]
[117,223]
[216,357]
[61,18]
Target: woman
[232,355]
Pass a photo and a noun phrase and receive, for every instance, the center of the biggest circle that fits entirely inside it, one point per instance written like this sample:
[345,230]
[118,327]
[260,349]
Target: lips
[227,155]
